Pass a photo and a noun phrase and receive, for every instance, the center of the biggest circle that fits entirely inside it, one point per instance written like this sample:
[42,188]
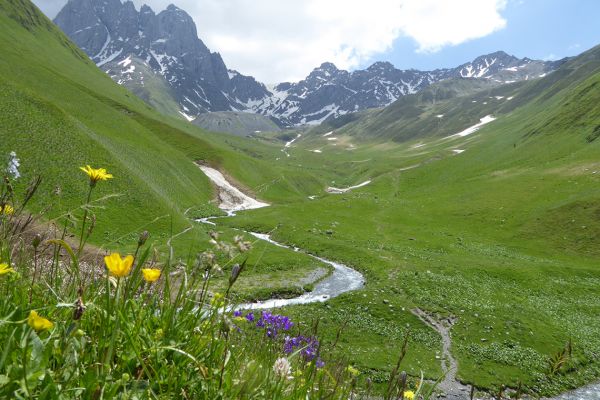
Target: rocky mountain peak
[145,8]
[111,32]
[328,66]
[381,66]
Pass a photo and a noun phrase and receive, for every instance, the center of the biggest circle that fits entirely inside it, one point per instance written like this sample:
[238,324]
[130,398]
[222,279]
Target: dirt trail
[450,386]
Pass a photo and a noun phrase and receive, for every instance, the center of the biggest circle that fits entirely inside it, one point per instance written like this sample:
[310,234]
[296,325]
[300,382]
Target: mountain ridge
[166,46]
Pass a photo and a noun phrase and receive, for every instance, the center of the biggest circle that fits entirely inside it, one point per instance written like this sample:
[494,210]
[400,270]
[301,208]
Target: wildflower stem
[85,214]
[26,384]
[224,361]
[136,272]
[115,331]
[35,263]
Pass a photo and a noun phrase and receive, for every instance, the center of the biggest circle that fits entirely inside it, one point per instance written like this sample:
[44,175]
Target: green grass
[59,112]
[75,330]
[504,236]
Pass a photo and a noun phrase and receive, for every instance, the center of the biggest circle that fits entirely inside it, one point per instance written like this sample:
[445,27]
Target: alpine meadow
[173,228]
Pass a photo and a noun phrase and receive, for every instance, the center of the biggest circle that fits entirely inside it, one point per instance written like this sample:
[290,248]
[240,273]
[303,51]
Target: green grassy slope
[504,235]
[154,90]
[59,112]
[237,123]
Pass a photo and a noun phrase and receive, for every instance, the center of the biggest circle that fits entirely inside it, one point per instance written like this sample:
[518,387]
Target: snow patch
[110,58]
[288,144]
[328,134]
[335,190]
[485,120]
[188,117]
[125,62]
[231,198]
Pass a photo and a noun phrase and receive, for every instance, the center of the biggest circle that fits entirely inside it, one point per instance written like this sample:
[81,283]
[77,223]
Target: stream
[344,279]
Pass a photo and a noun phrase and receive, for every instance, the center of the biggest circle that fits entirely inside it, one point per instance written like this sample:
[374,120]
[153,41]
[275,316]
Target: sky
[283,40]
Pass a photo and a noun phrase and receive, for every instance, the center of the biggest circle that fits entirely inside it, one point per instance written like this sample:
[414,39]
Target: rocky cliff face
[111,32]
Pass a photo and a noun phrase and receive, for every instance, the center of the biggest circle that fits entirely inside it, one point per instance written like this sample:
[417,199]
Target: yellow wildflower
[151,274]
[409,395]
[117,266]
[4,269]
[240,319]
[217,300]
[352,371]
[96,174]
[38,323]
[7,209]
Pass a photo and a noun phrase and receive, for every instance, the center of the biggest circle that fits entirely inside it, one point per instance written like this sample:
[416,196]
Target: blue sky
[538,29]
[283,40]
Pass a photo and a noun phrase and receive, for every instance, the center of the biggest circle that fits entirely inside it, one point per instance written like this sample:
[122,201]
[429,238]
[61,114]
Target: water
[590,392]
[343,279]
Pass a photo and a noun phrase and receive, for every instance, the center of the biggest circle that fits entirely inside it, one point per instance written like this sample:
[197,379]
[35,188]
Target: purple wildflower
[237,313]
[250,317]
[309,346]
[274,323]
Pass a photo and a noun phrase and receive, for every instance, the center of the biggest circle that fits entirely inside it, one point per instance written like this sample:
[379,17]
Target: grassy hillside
[237,123]
[59,112]
[498,229]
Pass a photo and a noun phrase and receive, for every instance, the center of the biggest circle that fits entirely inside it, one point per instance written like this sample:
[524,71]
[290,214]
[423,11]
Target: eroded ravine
[343,278]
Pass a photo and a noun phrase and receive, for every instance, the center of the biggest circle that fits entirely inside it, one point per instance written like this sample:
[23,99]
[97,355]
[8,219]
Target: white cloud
[435,24]
[278,40]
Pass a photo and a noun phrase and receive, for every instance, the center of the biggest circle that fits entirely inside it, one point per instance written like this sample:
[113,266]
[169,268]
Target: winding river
[342,279]
[345,279]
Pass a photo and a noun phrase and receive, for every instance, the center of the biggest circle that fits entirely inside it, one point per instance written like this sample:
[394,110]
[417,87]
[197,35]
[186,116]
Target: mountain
[161,59]
[136,47]
[330,92]
[457,103]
